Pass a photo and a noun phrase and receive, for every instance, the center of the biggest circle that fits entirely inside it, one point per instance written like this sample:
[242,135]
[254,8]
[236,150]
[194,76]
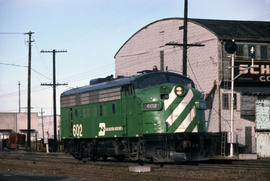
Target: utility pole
[29,90]
[42,124]
[54,84]
[19,84]
[185,39]
[162,61]
[185,45]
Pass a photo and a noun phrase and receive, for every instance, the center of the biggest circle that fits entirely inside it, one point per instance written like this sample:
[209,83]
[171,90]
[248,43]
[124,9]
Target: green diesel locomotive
[154,116]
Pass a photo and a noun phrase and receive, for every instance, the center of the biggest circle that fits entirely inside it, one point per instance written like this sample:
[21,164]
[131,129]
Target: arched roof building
[208,66]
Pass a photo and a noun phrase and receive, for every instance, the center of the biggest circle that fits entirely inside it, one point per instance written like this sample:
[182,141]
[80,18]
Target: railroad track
[63,165]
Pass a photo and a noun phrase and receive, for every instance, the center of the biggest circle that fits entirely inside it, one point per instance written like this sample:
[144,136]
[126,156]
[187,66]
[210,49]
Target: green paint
[125,117]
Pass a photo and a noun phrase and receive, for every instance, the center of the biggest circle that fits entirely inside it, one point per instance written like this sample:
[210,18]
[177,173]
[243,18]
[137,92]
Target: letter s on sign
[243,69]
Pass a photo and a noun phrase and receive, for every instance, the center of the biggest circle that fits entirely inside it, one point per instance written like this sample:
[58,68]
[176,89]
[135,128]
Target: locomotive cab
[168,100]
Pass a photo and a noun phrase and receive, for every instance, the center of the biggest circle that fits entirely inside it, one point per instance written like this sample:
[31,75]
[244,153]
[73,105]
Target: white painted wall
[18,121]
[48,126]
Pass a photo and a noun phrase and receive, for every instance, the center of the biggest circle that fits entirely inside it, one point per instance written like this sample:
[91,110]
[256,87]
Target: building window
[234,101]
[263,52]
[226,101]
[240,51]
[249,49]
[248,106]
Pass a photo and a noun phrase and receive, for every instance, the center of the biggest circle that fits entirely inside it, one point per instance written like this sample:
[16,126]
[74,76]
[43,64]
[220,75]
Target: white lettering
[119,128]
[77,130]
[74,130]
[264,78]
[253,71]
[243,69]
[265,69]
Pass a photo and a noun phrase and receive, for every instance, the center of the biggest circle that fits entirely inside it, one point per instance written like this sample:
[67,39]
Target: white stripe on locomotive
[172,97]
[195,130]
[180,108]
[184,125]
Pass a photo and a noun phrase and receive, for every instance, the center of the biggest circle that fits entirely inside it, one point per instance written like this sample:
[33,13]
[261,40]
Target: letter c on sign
[262,78]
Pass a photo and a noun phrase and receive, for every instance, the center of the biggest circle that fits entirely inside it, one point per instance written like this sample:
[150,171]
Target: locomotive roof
[104,85]
[113,83]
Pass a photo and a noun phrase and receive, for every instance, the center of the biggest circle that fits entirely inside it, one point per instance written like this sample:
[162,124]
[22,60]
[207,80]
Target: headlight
[179,90]
[151,106]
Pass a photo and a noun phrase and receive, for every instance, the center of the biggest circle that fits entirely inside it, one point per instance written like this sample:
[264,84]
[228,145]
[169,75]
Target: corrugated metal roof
[243,30]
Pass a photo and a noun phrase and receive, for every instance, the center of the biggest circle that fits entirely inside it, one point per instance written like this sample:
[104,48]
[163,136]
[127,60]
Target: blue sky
[91,31]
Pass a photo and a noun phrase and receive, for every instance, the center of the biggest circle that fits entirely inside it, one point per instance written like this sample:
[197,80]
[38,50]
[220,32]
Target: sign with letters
[256,75]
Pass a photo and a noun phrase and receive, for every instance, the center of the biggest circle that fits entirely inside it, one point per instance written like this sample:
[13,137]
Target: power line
[198,83]
[11,33]
[16,65]
[64,79]
[40,74]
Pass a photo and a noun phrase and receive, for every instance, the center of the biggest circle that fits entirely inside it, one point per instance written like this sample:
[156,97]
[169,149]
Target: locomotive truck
[153,116]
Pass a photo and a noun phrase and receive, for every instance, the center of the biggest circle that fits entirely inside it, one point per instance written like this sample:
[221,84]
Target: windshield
[181,80]
[160,78]
[151,80]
